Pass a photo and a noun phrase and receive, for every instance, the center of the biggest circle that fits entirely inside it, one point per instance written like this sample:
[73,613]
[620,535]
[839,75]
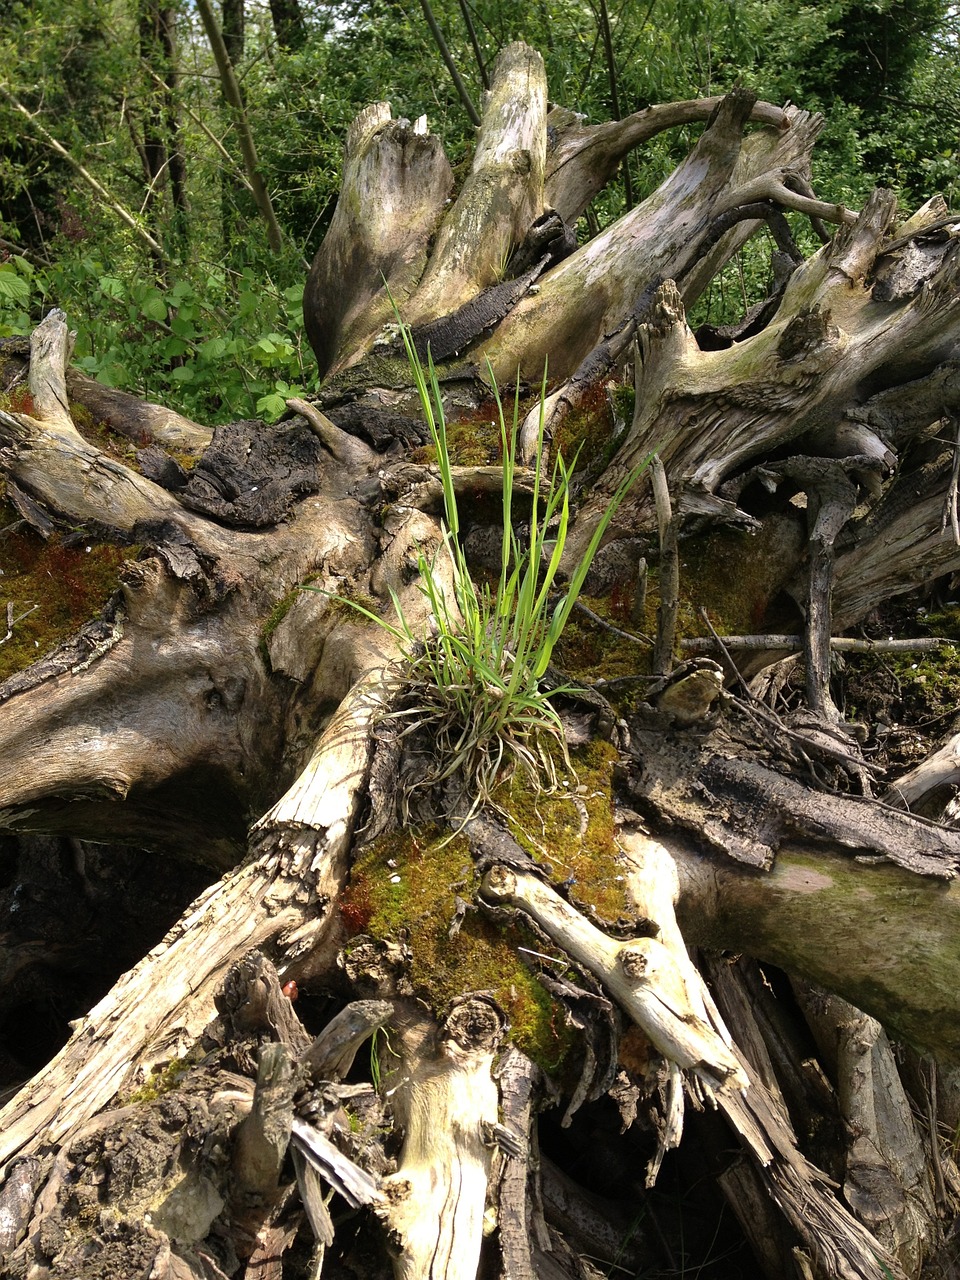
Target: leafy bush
[216,345]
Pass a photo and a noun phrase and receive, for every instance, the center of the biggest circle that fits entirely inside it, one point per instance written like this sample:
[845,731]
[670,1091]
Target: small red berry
[290,990]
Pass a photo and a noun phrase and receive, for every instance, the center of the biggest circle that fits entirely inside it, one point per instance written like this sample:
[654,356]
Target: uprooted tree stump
[215,711]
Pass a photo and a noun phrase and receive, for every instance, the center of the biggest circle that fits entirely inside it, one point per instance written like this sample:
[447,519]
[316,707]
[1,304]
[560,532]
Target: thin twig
[608,626]
[447,56]
[12,621]
[842,644]
[477,52]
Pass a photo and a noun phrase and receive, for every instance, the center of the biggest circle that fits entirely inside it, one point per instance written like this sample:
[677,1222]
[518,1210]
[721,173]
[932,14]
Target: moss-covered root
[445,1100]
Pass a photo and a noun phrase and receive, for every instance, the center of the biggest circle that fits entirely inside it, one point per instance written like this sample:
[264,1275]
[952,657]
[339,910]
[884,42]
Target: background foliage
[210,322]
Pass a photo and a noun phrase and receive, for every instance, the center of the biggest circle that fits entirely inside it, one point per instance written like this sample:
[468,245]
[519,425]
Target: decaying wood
[261,1141]
[930,787]
[137,419]
[886,1180]
[642,975]
[757,841]
[811,913]
[757,1112]
[503,194]
[445,1098]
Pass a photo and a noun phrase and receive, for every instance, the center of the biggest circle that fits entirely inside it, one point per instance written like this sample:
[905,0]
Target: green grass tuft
[474,682]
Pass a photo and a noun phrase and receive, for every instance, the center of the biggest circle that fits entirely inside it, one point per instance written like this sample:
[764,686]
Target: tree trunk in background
[288,23]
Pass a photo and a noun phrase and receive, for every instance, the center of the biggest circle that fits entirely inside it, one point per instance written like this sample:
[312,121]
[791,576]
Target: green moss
[734,575]
[570,830]
[474,441]
[57,588]
[409,882]
[162,1080]
[588,434]
[589,652]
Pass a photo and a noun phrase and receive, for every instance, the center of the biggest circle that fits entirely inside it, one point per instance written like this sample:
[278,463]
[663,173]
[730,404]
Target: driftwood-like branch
[570,314]
[818,368]
[503,194]
[583,158]
[395,184]
[839,644]
[642,975]
[758,1116]
[346,448]
[929,786]
[145,1016]
[49,458]
[885,1178]
[331,1055]
[446,1100]
[135,418]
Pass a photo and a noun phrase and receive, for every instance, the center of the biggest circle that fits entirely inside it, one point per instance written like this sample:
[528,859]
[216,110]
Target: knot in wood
[476,1024]
[635,963]
[499,882]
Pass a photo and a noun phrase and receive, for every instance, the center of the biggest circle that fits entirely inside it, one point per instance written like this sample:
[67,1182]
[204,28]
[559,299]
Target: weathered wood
[261,1142]
[929,787]
[445,1099]
[183,673]
[839,644]
[811,914]
[53,462]
[589,295]
[503,195]
[799,374]
[395,182]
[748,811]
[756,1112]
[886,1182]
[642,975]
[582,159]
[157,1009]
[135,418]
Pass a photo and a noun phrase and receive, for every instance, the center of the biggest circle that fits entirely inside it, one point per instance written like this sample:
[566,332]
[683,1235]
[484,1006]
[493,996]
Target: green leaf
[154,307]
[184,373]
[183,327]
[213,349]
[111,287]
[271,406]
[13,288]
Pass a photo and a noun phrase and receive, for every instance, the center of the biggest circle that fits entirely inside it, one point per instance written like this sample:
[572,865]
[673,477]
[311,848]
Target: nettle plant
[473,682]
